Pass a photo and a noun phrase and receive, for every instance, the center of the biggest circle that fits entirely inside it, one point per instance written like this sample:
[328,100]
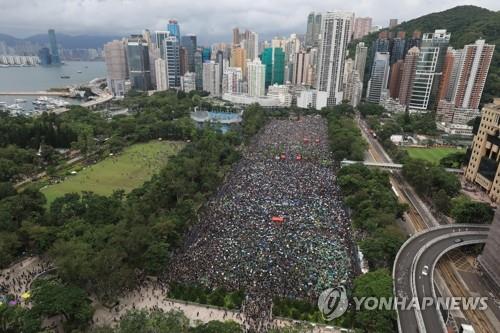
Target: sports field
[126,170]
[431,154]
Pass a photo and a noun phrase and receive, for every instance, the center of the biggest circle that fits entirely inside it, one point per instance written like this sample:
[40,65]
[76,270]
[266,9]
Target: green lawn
[126,170]
[431,154]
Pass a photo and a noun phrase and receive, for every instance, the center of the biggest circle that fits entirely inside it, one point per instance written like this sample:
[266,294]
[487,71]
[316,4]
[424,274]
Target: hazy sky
[211,20]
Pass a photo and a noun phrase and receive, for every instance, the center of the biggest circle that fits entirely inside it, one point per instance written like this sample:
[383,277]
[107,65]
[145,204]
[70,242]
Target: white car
[425,271]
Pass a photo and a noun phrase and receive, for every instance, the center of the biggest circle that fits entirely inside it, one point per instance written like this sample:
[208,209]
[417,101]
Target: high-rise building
[189,42]
[174,29]
[428,71]
[256,73]
[393,23]
[446,83]
[362,27]
[236,37]
[211,78]
[172,62]
[183,60]
[188,82]
[159,40]
[395,79]
[44,56]
[301,65]
[252,45]
[207,54]
[360,59]
[472,75]
[274,60]
[161,74]
[223,64]
[335,30]
[198,69]
[54,49]
[138,63]
[238,59]
[488,259]
[397,49]
[485,157]
[408,75]
[313,29]
[232,80]
[115,55]
[377,85]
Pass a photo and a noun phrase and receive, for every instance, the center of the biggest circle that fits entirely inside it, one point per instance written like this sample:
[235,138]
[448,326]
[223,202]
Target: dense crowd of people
[18,278]
[277,226]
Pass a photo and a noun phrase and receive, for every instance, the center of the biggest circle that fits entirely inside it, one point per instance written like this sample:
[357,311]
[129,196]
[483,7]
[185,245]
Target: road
[424,249]
[418,218]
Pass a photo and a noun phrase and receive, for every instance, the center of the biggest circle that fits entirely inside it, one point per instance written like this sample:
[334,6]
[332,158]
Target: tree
[9,246]
[380,249]
[218,327]
[375,284]
[51,297]
[7,190]
[463,210]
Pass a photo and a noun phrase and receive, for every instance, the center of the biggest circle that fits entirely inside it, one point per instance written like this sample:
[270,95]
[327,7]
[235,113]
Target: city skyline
[285,17]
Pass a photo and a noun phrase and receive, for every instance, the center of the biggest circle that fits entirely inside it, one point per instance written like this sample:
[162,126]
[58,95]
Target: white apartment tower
[334,36]
[211,78]
[256,73]
[161,74]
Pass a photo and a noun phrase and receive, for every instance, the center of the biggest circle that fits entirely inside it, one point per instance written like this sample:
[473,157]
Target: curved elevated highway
[425,249]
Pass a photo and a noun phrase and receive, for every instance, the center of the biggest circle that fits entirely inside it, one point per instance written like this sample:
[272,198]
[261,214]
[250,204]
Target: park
[126,170]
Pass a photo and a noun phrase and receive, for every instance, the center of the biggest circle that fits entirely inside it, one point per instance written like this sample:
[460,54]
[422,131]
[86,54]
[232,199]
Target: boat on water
[65,77]
[79,72]
[20,100]
[15,107]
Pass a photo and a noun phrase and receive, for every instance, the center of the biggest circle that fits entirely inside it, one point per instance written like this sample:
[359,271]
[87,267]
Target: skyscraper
[274,60]
[313,29]
[428,71]
[238,59]
[115,55]
[256,73]
[488,260]
[301,63]
[397,49]
[211,78]
[161,74]
[360,59]
[408,75]
[206,54]
[252,45]
[44,56]
[473,72]
[362,27]
[174,29]
[198,69]
[54,49]
[335,30]
[138,63]
[183,60]
[377,85]
[395,79]
[172,62]
[189,42]
[236,37]
[159,40]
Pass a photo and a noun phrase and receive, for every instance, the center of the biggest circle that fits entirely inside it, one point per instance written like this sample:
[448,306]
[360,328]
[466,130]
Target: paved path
[150,296]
